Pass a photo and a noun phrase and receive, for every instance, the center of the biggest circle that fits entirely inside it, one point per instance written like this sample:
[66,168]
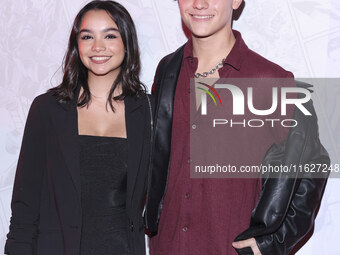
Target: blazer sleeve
[27,187]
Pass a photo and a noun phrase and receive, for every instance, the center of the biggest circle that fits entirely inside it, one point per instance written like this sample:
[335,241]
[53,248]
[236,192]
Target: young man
[212,216]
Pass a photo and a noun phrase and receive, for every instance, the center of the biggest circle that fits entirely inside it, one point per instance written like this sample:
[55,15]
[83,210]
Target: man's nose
[201,4]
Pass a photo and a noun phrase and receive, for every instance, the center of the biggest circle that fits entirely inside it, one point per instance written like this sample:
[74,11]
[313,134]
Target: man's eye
[86,37]
[110,36]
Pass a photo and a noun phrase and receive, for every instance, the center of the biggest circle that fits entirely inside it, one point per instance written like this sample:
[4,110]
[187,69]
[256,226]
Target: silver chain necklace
[205,74]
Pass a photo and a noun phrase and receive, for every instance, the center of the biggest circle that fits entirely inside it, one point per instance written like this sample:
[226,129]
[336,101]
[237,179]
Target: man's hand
[248,243]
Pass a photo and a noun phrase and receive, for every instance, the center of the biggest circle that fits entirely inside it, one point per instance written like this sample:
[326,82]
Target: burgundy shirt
[203,216]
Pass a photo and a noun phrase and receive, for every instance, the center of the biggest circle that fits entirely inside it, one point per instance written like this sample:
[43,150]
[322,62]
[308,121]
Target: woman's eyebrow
[104,30]
[111,29]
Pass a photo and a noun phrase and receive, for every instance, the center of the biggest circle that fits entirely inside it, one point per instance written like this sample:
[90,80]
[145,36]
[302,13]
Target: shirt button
[187,195]
[189,161]
[185,229]
[193,126]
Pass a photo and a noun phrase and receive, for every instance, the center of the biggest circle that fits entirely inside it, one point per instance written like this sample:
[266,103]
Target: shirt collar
[235,56]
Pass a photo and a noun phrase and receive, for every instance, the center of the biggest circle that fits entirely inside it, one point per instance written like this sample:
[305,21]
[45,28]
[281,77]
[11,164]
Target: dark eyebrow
[105,30]
[111,29]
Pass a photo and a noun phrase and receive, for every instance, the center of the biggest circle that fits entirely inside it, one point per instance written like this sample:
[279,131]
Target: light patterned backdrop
[303,36]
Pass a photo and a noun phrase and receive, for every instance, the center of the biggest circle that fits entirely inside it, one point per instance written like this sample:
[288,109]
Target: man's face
[207,17]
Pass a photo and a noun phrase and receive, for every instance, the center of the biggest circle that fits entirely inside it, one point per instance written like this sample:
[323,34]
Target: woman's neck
[100,86]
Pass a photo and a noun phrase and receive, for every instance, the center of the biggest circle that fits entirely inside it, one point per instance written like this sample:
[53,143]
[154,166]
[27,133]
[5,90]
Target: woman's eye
[86,37]
[110,36]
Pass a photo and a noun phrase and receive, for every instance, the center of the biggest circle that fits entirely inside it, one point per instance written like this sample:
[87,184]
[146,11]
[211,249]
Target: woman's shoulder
[44,99]
[149,101]
[43,103]
[142,98]
[146,101]
[39,108]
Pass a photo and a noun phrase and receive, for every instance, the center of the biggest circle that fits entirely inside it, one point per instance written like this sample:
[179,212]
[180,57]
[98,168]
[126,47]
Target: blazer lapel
[135,124]
[65,120]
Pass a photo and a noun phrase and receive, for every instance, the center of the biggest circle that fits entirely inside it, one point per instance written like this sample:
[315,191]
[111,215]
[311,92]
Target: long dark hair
[76,74]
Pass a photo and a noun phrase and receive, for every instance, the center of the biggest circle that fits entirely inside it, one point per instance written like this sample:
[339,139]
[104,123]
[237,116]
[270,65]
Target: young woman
[82,170]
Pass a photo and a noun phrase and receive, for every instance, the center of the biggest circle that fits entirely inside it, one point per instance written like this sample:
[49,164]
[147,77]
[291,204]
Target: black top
[103,173]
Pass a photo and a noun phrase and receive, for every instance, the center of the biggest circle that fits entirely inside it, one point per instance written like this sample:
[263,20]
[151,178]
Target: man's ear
[236,4]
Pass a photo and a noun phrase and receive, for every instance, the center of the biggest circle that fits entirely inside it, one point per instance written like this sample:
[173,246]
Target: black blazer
[46,208]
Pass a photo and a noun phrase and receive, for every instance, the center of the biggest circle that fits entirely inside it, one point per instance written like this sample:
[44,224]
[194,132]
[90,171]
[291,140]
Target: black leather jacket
[287,206]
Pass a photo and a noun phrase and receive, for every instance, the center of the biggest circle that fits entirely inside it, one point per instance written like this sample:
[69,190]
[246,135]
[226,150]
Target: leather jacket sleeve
[288,203]
[164,89]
